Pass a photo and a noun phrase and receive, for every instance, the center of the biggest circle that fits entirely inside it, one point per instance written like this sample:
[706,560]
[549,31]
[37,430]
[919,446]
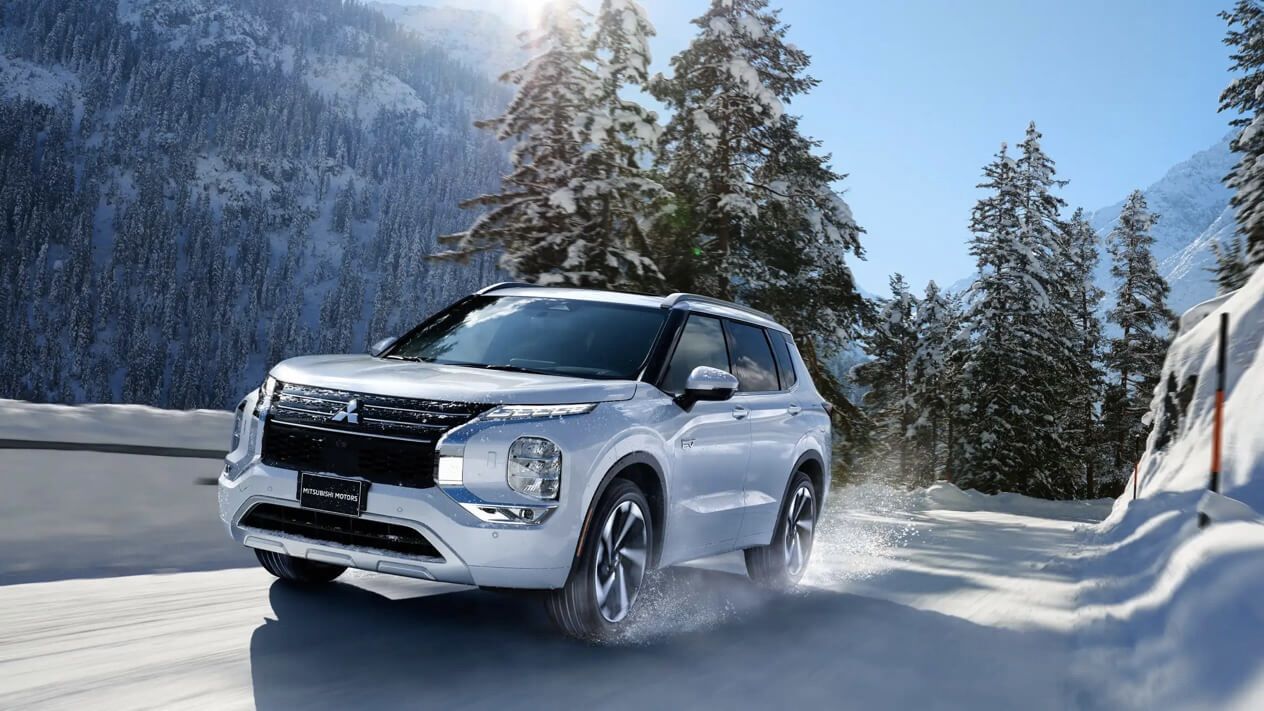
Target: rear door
[711,445]
[768,391]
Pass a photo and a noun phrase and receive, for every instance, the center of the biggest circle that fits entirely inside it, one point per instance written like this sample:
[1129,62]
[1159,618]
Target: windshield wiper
[506,368]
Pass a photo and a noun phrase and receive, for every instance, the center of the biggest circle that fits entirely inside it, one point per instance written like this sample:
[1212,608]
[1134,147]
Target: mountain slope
[1193,205]
[191,190]
[478,39]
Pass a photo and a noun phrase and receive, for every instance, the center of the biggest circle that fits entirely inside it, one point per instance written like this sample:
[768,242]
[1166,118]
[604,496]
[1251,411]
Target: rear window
[785,362]
[753,362]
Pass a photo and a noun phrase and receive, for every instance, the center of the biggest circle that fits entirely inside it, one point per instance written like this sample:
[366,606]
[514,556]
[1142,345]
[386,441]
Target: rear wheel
[605,581]
[781,564]
[298,570]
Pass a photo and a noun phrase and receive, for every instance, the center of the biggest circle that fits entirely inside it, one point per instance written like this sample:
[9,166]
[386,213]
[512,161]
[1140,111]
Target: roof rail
[679,297]
[503,285]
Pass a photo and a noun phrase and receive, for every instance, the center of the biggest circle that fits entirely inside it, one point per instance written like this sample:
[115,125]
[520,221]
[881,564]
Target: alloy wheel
[622,551]
[800,526]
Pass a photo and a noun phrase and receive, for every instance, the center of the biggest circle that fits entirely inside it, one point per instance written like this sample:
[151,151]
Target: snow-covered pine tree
[613,188]
[575,206]
[986,462]
[756,217]
[727,89]
[1135,357]
[1084,386]
[934,379]
[1245,95]
[1016,362]
[532,222]
[888,402]
[1232,265]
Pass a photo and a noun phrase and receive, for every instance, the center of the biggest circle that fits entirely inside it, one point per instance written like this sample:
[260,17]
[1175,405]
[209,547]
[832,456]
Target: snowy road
[910,604]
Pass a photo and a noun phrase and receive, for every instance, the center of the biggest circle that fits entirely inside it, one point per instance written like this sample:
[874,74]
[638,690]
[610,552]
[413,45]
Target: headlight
[535,467]
[239,419]
[519,412]
[266,391]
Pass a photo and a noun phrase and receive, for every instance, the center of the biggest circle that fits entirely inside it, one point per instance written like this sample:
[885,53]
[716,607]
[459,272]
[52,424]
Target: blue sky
[917,95]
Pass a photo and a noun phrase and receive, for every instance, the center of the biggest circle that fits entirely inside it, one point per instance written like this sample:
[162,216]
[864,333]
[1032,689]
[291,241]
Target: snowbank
[1173,614]
[1185,463]
[943,495]
[115,424]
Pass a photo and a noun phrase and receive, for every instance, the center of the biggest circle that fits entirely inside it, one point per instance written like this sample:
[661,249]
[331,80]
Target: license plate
[332,493]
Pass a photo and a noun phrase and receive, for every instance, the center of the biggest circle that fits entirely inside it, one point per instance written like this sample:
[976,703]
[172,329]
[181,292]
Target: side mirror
[706,384]
[381,346]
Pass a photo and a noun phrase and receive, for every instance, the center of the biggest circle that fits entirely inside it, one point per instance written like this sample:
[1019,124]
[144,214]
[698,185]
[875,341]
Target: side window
[701,343]
[785,362]
[753,362]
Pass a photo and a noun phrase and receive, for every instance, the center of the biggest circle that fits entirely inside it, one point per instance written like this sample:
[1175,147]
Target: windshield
[586,339]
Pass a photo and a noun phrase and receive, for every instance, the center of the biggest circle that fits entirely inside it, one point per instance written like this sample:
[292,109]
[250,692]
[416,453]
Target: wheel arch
[813,464]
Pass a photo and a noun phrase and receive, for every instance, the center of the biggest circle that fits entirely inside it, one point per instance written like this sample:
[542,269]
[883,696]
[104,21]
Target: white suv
[538,438]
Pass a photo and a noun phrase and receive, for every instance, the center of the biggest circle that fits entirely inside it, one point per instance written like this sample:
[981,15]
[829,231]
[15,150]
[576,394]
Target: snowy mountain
[1193,205]
[479,39]
[191,190]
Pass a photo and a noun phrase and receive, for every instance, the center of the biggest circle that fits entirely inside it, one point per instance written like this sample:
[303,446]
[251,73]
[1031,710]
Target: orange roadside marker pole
[1217,431]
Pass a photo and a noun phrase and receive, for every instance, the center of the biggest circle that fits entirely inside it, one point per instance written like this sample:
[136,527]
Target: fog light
[450,471]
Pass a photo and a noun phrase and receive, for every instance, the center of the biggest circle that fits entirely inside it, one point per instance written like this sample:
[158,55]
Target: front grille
[341,530]
[388,440]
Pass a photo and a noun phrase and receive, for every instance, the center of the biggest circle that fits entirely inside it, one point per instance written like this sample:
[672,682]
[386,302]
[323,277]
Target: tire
[781,564]
[620,524]
[298,570]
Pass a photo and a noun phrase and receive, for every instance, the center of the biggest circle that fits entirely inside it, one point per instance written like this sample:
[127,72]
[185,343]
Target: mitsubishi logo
[348,414]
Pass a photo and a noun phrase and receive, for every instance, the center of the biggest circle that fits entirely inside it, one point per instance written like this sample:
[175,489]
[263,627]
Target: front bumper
[471,551]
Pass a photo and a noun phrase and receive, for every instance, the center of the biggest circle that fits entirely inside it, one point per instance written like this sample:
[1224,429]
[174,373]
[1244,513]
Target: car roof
[688,302]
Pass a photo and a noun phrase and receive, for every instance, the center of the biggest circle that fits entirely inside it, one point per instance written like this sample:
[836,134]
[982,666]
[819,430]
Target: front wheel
[298,570]
[614,555]
[781,564]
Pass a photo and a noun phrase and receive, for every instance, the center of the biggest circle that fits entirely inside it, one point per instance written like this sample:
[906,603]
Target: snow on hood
[431,381]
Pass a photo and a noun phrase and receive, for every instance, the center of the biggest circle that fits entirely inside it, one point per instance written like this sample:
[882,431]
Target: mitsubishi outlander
[549,439]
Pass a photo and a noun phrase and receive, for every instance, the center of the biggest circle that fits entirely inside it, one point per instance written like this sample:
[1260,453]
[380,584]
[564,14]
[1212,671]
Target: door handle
[794,408]
[740,413]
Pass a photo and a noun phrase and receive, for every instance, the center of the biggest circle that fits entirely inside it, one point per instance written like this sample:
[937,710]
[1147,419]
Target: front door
[711,445]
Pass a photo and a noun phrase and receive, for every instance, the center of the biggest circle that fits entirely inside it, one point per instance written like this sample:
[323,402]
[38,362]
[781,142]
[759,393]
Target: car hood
[431,381]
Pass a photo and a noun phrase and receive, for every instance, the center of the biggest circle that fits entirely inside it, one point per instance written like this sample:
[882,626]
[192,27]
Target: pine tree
[1135,357]
[1232,265]
[756,218]
[574,208]
[889,401]
[1245,95]
[988,371]
[727,91]
[1086,378]
[935,379]
[1015,365]
[614,187]
[532,221]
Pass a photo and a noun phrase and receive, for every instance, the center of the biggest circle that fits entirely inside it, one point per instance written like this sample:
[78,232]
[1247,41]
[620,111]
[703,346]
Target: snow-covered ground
[911,603]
